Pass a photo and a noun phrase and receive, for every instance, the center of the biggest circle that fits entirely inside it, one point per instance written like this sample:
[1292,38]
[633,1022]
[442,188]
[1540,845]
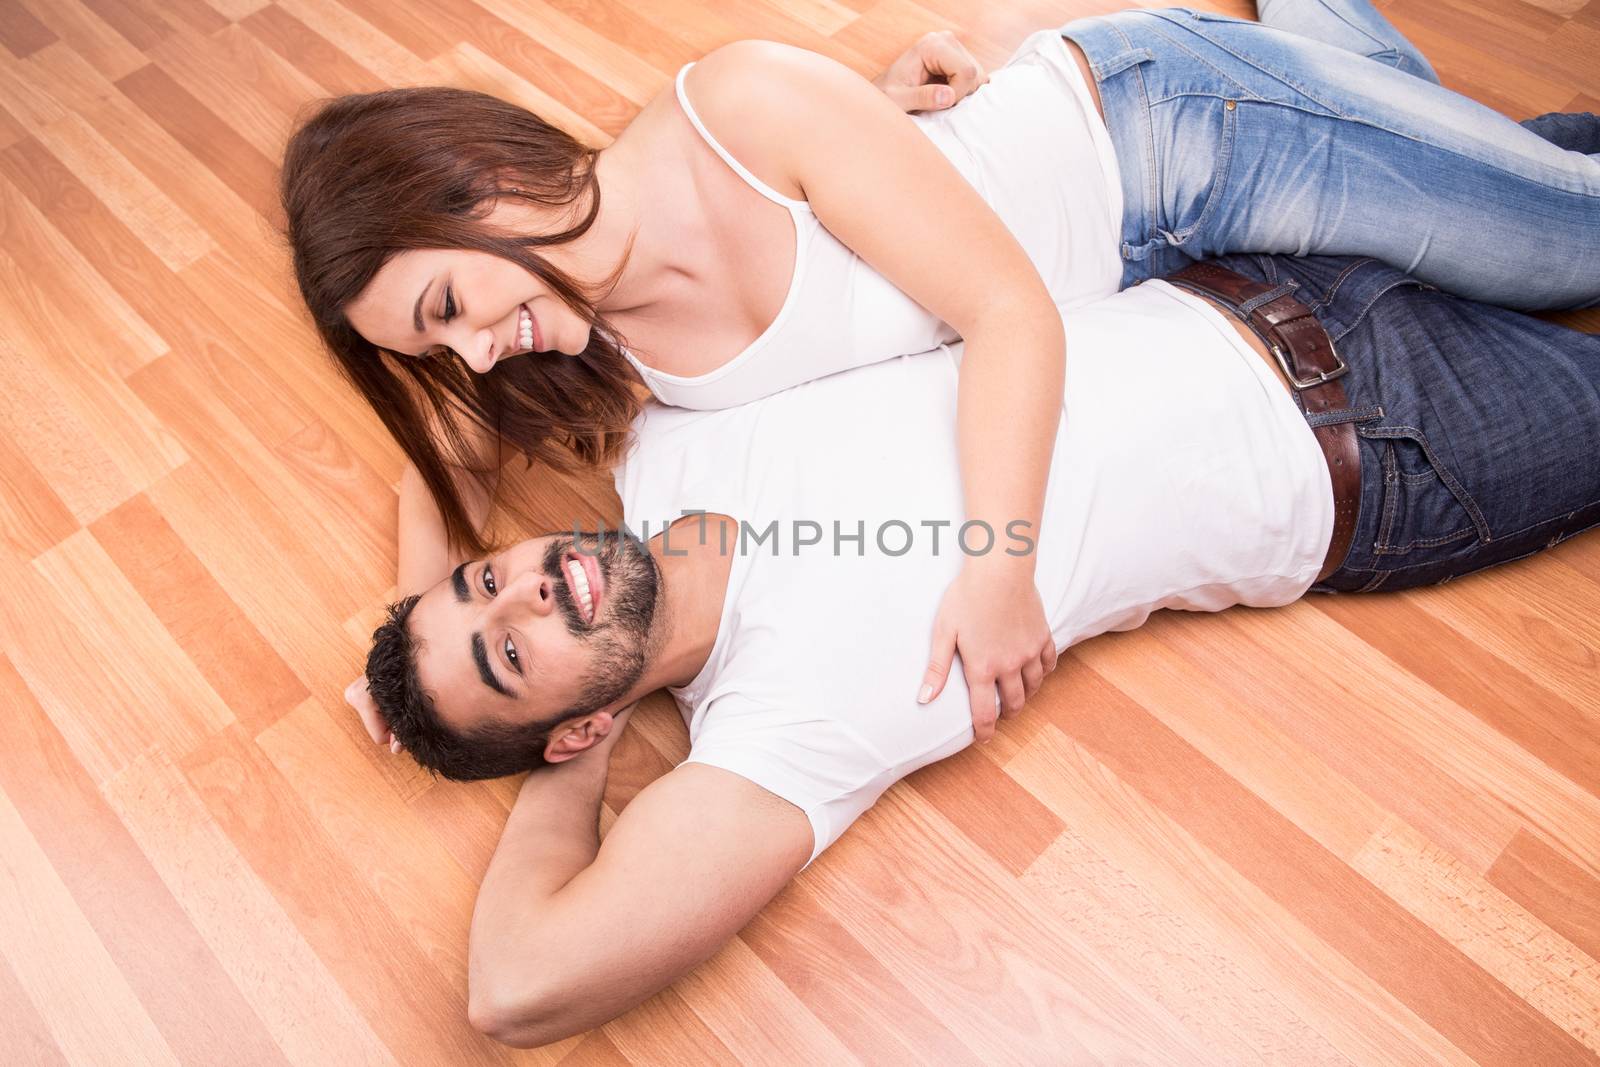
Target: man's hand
[356,695]
[932,74]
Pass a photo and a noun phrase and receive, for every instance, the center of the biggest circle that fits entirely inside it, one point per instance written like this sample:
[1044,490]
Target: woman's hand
[993,616]
[932,74]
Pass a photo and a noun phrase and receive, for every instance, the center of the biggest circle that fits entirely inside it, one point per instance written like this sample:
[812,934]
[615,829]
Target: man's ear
[576,736]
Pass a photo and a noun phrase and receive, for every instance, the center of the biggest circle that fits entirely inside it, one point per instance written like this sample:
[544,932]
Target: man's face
[546,629]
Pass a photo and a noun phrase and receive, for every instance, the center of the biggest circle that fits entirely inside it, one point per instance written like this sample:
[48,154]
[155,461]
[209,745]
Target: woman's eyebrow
[416,312]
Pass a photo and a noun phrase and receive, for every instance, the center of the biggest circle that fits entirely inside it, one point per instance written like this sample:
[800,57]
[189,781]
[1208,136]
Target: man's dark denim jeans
[1479,429]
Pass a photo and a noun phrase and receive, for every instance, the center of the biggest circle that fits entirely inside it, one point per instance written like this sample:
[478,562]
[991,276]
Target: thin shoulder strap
[739,168]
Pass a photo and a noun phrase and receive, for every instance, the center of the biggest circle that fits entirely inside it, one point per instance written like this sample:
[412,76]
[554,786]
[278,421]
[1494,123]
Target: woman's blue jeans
[1236,136]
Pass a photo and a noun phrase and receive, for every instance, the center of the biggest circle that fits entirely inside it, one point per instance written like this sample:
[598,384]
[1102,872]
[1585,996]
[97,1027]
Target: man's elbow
[517,1019]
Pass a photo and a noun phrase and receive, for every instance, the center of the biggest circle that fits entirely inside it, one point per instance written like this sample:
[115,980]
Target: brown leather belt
[1305,355]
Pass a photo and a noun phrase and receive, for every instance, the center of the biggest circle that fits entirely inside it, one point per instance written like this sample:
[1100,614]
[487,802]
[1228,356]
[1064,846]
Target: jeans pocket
[1426,513]
[1196,177]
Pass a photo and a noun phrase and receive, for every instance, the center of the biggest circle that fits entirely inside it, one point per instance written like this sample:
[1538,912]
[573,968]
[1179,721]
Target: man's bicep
[688,863]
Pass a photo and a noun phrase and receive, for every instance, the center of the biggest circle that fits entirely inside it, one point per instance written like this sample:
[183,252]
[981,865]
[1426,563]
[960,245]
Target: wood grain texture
[1191,848]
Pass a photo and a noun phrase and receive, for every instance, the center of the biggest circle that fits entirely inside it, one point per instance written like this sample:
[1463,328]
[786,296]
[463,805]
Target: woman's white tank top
[1030,143]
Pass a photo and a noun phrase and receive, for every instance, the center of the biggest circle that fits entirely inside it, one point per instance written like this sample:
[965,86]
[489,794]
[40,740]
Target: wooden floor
[1194,847]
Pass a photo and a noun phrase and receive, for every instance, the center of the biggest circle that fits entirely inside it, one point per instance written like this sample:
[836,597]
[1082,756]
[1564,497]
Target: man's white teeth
[524,327]
[580,586]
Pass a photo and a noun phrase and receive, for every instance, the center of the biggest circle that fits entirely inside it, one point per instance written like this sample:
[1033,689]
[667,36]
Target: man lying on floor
[791,622]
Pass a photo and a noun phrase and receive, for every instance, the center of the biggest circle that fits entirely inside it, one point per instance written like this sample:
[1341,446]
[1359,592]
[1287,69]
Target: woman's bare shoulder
[743,93]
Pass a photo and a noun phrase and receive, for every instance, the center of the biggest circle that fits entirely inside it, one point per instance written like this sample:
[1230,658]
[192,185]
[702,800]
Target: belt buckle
[1322,378]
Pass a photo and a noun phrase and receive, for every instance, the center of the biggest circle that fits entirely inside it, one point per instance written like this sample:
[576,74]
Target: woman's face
[476,305]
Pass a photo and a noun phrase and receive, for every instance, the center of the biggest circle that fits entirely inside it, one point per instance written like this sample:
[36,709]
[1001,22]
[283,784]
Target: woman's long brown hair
[373,174]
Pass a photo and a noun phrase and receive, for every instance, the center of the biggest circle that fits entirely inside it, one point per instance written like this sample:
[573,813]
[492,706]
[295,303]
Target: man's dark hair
[492,750]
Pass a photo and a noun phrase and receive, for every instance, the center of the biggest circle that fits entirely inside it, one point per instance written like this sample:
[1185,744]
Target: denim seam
[1502,537]
[1430,542]
[1151,197]
[1359,120]
[1222,75]
[1220,179]
[1378,578]
[1163,15]
[1372,299]
[1333,290]
[1459,491]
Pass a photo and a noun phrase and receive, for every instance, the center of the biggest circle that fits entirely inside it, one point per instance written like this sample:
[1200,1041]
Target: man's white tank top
[1032,145]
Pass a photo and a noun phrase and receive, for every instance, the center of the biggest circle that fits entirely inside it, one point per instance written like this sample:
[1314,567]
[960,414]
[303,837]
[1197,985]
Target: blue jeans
[1237,136]
[1479,428]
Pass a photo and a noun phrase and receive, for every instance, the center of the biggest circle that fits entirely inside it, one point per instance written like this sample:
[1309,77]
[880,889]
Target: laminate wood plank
[78,312]
[95,151]
[238,10]
[1436,758]
[133,19]
[614,49]
[32,516]
[612,29]
[1255,933]
[240,165]
[1527,611]
[469,67]
[823,17]
[311,53]
[60,963]
[595,1050]
[325,547]
[26,1038]
[757,1017]
[274,591]
[203,1017]
[569,84]
[1563,895]
[1518,34]
[466,818]
[869,1009]
[1424,971]
[21,32]
[298,1000]
[192,16]
[943,918]
[1489,927]
[1229,723]
[664,1031]
[387,978]
[11,131]
[359,39]
[1490,686]
[54,437]
[110,704]
[89,36]
[1513,90]
[426,894]
[1193,977]
[255,683]
[988,807]
[252,90]
[299,375]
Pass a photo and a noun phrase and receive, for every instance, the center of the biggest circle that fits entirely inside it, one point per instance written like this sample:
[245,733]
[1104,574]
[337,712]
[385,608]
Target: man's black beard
[621,642]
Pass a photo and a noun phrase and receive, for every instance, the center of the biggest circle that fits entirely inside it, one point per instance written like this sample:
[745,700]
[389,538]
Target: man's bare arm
[567,936]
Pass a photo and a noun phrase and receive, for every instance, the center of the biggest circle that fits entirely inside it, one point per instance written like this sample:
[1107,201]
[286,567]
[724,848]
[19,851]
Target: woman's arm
[425,554]
[813,128]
